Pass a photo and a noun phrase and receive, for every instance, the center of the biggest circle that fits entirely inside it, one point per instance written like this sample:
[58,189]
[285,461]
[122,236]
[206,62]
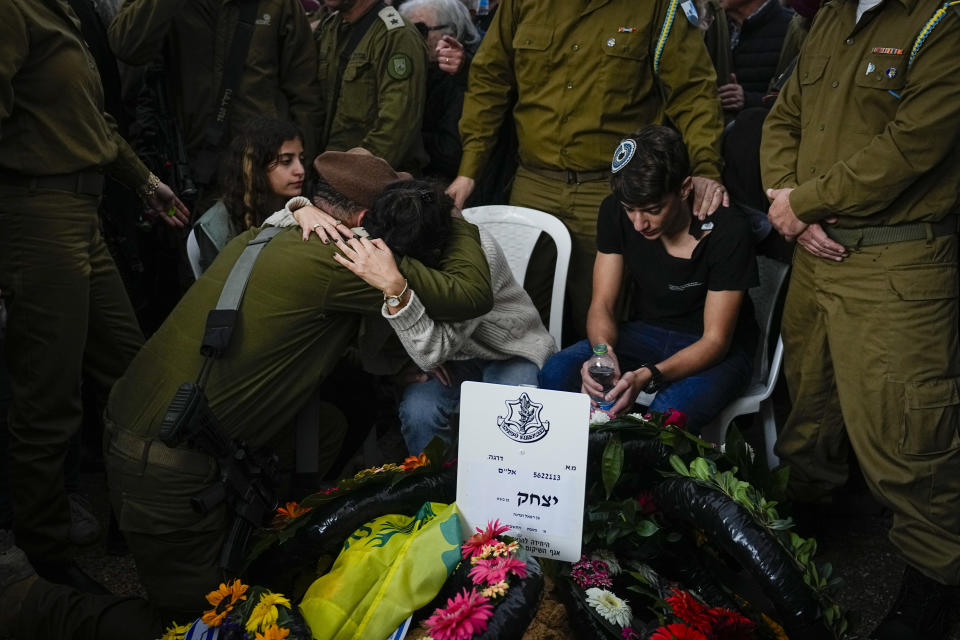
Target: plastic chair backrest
[193,254]
[516,230]
[767,298]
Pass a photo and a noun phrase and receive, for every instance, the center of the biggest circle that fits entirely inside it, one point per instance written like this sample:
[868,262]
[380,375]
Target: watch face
[393,301]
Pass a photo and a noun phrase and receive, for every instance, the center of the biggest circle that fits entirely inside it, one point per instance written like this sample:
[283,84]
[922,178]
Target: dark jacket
[757,54]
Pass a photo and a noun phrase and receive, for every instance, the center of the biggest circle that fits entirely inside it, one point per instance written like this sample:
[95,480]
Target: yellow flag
[388,568]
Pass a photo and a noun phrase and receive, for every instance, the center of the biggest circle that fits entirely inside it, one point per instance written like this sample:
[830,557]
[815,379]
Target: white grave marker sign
[523,460]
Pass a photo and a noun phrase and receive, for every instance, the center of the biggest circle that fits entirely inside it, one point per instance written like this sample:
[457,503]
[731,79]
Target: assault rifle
[246,477]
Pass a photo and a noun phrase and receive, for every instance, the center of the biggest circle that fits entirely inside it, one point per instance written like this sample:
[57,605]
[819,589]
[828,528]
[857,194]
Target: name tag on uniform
[523,460]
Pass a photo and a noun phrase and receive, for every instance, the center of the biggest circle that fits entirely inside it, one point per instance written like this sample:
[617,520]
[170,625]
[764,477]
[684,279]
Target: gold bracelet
[148,190]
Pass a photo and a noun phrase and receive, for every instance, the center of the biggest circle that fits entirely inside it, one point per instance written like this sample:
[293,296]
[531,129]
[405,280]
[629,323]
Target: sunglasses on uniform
[425,30]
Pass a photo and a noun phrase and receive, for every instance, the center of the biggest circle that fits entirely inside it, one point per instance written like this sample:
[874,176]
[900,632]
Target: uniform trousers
[871,359]
[576,205]
[68,314]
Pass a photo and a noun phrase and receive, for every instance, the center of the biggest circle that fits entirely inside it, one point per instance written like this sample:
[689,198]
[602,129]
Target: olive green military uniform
[300,311]
[862,133]
[68,311]
[377,101]
[585,74]
[279,74]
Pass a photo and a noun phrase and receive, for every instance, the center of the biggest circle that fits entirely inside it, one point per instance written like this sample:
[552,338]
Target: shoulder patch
[400,66]
[391,18]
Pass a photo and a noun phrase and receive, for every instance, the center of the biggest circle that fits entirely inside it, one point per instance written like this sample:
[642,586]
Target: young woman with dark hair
[692,333]
[263,169]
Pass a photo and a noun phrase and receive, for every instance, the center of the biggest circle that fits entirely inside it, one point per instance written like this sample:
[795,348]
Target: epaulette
[929,27]
[391,18]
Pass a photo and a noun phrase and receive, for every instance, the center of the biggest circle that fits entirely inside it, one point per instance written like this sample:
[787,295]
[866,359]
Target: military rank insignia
[624,154]
[400,66]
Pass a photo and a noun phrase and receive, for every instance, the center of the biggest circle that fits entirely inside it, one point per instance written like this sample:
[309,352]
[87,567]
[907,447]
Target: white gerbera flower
[613,609]
[599,417]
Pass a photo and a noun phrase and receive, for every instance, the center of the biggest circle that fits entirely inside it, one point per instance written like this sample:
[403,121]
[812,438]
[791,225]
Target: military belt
[84,183]
[890,234]
[568,175]
[153,452]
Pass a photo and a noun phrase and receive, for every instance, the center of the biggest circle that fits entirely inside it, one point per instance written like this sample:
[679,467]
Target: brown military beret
[357,174]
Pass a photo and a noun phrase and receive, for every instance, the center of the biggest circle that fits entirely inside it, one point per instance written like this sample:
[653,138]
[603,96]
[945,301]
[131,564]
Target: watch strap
[657,380]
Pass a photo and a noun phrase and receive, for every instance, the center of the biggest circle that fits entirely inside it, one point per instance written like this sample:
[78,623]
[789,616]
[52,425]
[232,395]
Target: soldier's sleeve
[137,32]
[689,85]
[458,289]
[14,45]
[401,93]
[781,138]
[921,136]
[298,76]
[126,167]
[490,89]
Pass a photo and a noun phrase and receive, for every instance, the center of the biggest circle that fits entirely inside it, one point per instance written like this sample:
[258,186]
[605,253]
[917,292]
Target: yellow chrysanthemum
[273,633]
[265,612]
[223,600]
[175,632]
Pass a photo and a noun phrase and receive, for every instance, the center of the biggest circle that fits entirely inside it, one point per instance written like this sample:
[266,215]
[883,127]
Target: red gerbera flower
[465,616]
[730,625]
[474,544]
[690,610]
[677,632]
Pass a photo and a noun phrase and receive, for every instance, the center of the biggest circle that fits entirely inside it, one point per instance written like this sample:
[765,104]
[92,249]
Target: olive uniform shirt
[51,100]
[279,76]
[378,101]
[300,311]
[583,73]
[861,133]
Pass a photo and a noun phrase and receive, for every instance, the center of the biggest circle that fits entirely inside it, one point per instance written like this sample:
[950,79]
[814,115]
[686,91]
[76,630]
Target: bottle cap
[599,348]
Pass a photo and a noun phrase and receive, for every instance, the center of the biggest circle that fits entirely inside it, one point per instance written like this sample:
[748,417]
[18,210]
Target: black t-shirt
[670,292]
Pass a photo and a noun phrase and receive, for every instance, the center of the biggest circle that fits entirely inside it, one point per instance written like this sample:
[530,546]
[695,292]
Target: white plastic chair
[516,230]
[193,254]
[766,369]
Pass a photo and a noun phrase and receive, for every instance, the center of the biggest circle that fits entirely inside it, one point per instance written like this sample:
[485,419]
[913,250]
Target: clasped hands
[811,237]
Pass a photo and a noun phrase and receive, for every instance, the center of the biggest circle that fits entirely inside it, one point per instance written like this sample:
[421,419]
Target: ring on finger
[317,226]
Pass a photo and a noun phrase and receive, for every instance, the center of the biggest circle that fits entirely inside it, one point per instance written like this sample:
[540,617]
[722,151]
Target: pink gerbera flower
[465,616]
[494,570]
[475,543]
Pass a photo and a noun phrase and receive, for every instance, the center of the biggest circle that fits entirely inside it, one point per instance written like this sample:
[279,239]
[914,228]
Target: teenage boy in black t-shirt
[688,341]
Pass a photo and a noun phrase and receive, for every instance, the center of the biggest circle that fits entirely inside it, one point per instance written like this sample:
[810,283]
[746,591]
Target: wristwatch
[657,380]
[394,301]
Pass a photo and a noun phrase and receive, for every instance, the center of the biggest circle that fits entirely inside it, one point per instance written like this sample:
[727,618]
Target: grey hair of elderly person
[448,12]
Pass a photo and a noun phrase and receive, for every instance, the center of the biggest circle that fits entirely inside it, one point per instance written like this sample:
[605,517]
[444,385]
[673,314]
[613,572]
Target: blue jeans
[701,396]
[426,407]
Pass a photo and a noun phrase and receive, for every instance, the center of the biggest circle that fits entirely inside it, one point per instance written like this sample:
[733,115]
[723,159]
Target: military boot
[921,609]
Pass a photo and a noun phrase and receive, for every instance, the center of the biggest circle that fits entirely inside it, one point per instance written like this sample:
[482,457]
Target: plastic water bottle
[483,7]
[603,370]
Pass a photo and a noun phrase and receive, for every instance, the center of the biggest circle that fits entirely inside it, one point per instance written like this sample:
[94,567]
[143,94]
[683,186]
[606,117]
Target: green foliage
[611,465]
[733,469]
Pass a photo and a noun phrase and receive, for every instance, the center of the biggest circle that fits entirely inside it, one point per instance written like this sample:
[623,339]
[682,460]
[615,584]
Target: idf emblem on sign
[523,422]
